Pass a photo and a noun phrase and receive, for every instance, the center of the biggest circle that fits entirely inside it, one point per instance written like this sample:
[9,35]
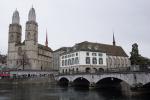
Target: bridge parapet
[131,78]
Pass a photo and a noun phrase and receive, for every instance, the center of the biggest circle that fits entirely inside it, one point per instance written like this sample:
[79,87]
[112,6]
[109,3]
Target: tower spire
[32,15]
[114,43]
[46,42]
[16,17]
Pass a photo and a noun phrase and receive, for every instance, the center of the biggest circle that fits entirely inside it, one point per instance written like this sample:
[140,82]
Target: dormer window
[89,47]
[96,47]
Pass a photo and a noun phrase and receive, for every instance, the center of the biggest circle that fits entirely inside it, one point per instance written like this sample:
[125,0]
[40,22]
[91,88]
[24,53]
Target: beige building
[28,54]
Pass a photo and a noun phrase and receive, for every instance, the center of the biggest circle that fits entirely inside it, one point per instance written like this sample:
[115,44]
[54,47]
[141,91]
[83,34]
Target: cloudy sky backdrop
[73,21]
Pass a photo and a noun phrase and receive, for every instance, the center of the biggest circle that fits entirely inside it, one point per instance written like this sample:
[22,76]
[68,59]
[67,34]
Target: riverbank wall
[35,80]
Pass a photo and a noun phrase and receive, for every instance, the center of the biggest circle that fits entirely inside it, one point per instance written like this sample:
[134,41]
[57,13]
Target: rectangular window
[87,54]
[65,62]
[62,62]
[76,54]
[100,60]
[65,56]
[72,55]
[100,54]
[72,61]
[94,60]
[87,60]
[76,60]
[94,54]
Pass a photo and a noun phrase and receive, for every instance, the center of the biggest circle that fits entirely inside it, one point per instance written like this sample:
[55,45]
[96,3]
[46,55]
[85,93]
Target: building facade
[28,54]
[93,57]
[56,57]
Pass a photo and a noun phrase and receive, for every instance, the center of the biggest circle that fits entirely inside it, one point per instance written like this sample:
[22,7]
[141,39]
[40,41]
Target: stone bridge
[133,79]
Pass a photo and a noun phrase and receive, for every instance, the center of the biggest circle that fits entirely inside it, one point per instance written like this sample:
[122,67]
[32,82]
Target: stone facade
[27,54]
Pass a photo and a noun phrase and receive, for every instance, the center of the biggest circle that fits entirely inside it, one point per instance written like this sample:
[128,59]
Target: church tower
[31,39]
[14,38]
[15,29]
[31,35]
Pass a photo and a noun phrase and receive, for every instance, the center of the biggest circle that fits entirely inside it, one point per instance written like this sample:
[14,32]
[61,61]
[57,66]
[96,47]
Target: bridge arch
[81,82]
[124,79]
[110,82]
[63,81]
[83,77]
[146,85]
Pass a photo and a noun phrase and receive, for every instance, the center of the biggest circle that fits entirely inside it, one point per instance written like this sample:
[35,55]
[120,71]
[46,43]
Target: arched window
[87,60]
[87,70]
[94,60]
[100,60]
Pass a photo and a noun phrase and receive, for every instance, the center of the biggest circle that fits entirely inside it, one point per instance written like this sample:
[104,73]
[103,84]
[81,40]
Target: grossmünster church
[27,54]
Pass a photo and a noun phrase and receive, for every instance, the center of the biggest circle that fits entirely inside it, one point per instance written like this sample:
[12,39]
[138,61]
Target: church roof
[32,15]
[99,47]
[62,49]
[43,47]
[15,17]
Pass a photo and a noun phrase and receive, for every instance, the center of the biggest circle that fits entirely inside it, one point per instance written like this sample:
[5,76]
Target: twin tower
[31,31]
[27,54]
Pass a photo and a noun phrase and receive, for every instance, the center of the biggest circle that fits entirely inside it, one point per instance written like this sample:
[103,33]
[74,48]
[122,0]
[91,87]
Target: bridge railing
[106,72]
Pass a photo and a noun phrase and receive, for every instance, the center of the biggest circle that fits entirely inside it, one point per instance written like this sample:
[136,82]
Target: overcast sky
[73,21]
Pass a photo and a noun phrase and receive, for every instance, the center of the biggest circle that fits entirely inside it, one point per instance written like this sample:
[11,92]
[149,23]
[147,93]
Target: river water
[54,92]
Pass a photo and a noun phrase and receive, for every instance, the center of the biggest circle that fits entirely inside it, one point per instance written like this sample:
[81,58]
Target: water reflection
[53,92]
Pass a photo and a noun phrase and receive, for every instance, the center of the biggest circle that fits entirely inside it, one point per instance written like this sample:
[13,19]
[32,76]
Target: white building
[28,54]
[56,57]
[93,57]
